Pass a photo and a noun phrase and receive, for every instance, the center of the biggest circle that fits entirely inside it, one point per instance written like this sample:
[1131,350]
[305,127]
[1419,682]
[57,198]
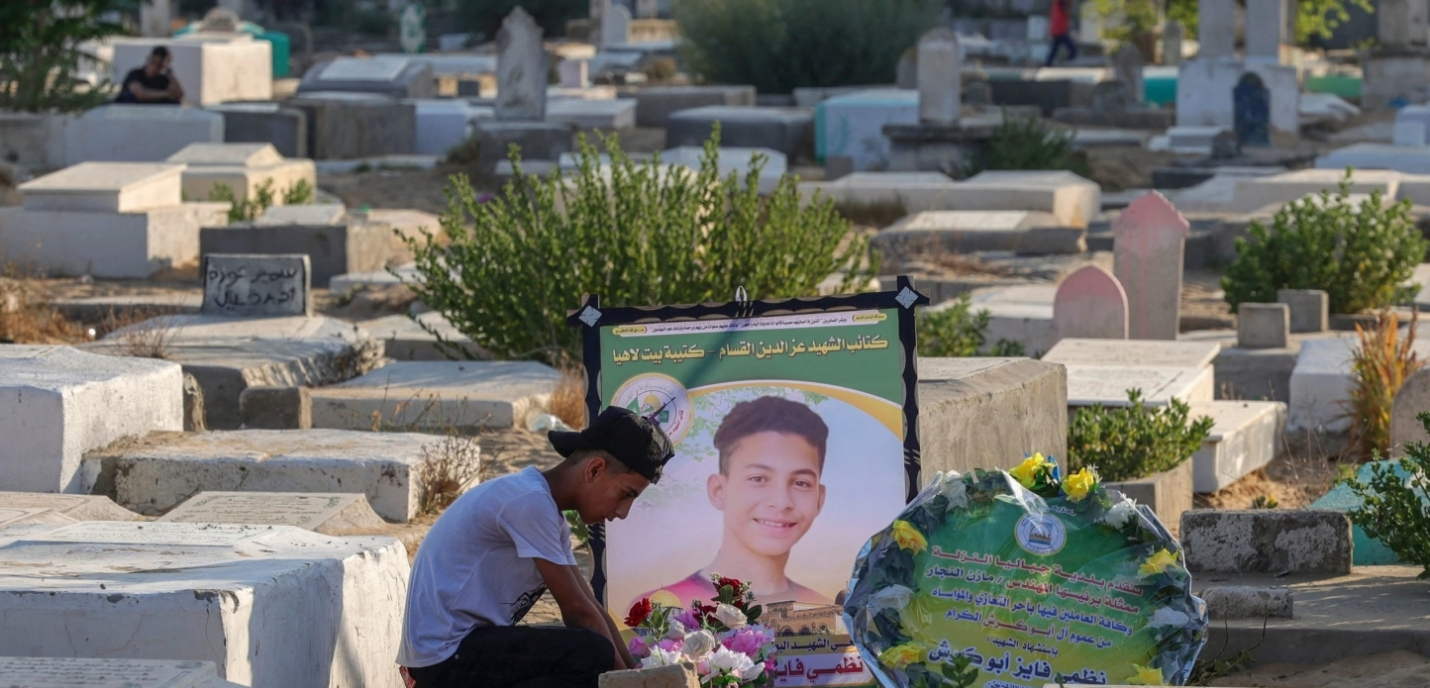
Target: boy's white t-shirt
[477,565]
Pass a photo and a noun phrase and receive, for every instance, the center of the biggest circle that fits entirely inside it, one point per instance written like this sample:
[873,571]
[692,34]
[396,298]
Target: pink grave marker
[1090,304]
[1149,239]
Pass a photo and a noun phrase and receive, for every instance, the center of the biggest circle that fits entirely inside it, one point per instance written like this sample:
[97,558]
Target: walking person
[1059,26]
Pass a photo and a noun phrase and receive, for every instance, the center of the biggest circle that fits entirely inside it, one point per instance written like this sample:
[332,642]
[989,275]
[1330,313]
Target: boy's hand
[579,608]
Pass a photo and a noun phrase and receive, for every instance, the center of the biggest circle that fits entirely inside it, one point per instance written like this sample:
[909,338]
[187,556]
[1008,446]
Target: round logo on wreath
[658,397]
[1041,535]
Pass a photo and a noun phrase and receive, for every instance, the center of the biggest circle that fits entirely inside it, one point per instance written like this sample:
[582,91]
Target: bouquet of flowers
[722,639]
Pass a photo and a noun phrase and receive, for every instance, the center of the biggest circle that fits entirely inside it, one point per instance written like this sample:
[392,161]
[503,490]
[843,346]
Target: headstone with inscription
[1090,304]
[249,285]
[82,672]
[1149,240]
[1074,585]
[327,513]
[1251,114]
[521,69]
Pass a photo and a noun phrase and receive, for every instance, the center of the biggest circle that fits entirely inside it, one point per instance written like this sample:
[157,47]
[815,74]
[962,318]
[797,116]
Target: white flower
[698,644]
[1121,513]
[729,615]
[956,491]
[660,658]
[725,660]
[1168,617]
[894,597]
[674,629]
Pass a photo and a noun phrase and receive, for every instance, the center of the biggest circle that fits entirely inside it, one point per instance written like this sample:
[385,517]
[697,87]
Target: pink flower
[745,641]
[669,645]
[687,619]
[638,646]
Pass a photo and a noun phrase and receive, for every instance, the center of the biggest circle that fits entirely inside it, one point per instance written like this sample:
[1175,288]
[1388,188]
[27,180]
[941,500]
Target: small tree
[1395,507]
[40,53]
[638,235]
[1135,441]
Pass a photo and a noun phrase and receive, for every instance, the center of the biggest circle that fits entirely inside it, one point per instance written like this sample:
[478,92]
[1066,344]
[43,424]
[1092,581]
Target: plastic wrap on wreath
[1027,578]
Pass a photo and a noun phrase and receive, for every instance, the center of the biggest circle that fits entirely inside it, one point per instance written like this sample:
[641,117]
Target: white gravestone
[1402,23]
[939,72]
[1172,43]
[1133,352]
[1108,384]
[267,605]
[1216,30]
[1265,27]
[15,517]
[79,672]
[330,514]
[242,167]
[1149,240]
[647,9]
[240,285]
[1128,62]
[77,507]
[521,69]
[434,395]
[616,25]
[106,187]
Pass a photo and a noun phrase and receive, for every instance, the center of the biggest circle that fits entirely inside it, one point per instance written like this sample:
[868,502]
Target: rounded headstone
[1035,579]
[221,20]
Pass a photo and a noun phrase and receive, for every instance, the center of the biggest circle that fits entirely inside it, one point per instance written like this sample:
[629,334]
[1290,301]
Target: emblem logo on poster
[662,396]
[1041,535]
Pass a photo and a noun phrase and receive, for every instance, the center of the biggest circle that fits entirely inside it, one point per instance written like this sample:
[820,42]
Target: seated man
[502,544]
[152,84]
[769,492]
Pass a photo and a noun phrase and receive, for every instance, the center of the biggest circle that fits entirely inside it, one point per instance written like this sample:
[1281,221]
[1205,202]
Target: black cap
[632,439]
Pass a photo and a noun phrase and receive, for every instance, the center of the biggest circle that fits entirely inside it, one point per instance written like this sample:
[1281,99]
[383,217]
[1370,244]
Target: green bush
[637,235]
[779,45]
[485,16]
[1395,509]
[1360,255]
[1025,143]
[40,53]
[1135,441]
[955,331]
[240,210]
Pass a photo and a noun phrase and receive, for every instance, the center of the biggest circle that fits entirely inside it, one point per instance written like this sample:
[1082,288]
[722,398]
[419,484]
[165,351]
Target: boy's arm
[621,648]
[578,607]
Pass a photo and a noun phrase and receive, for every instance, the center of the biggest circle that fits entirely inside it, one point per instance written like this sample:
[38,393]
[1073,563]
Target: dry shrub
[446,469]
[1382,363]
[142,332]
[568,400]
[26,319]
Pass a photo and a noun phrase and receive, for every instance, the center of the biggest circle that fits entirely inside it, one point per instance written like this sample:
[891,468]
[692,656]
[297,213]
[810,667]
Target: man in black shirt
[152,84]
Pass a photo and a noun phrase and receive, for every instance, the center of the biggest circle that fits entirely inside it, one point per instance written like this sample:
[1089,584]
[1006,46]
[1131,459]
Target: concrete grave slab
[1267,541]
[238,285]
[1310,309]
[989,412]
[1108,384]
[1133,352]
[267,605]
[1258,192]
[139,133]
[1247,602]
[227,355]
[1020,313]
[1368,551]
[1263,325]
[106,187]
[1412,399]
[1090,304]
[655,104]
[435,396]
[617,114]
[213,68]
[108,245]
[406,340]
[777,128]
[736,160]
[1245,436]
[345,126]
[29,517]
[668,676]
[909,192]
[70,672]
[329,514]
[1073,200]
[537,140]
[59,403]
[393,76]
[1149,242]
[443,124]
[242,167]
[1321,384]
[334,242]
[1377,156]
[75,506]
[159,472]
[356,281]
[968,231]
[285,128]
[852,124]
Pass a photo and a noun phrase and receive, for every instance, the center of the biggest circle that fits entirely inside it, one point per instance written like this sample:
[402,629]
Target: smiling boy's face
[770,493]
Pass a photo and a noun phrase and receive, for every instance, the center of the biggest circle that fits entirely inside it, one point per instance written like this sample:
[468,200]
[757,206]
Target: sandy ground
[1400,669]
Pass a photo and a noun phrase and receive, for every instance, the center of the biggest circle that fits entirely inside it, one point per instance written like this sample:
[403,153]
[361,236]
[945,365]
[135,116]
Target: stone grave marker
[1265,29]
[1108,384]
[1310,309]
[1252,111]
[1127,63]
[15,517]
[1402,23]
[1216,29]
[647,9]
[1410,134]
[81,672]
[1111,96]
[1263,325]
[327,513]
[412,32]
[521,69]
[1133,352]
[616,25]
[1172,43]
[1090,304]
[1149,240]
[77,507]
[1413,398]
[250,285]
[939,68]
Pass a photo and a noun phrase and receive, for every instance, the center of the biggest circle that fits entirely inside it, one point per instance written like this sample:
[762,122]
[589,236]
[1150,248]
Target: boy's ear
[715,490]
[593,467]
[821,499]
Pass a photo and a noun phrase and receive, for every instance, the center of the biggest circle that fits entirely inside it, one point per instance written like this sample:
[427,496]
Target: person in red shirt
[1058,26]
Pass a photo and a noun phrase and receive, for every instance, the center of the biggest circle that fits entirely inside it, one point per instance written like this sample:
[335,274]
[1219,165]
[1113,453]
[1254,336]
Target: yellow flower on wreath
[1145,676]
[1157,563]
[900,656]
[1079,484]
[1027,472]
[908,537]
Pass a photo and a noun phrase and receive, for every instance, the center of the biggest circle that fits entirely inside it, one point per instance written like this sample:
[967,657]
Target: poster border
[904,298]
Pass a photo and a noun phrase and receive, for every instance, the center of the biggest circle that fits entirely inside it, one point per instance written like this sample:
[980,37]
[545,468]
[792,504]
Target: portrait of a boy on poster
[790,442]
